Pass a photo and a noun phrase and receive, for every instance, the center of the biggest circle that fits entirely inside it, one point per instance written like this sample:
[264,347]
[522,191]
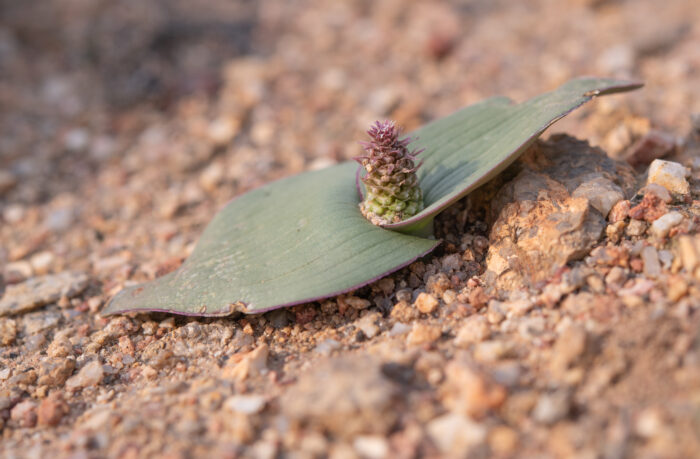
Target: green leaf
[470,147]
[293,241]
[303,238]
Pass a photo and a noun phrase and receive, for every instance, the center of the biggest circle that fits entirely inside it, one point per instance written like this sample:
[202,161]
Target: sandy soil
[125,125]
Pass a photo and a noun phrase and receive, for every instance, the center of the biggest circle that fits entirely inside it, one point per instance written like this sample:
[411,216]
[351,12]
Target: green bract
[303,238]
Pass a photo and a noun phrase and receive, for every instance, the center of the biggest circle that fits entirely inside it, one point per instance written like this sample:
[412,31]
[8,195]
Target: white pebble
[90,375]
[650,257]
[601,193]
[551,408]
[371,446]
[245,404]
[399,329]
[666,258]
[42,262]
[367,325]
[326,347]
[456,434]
[663,224]
[669,175]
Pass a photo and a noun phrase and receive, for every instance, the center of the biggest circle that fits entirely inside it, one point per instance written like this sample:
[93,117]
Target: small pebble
[666,258]
[36,322]
[94,304]
[658,191]
[507,373]
[616,277]
[689,249]
[478,297]
[42,262]
[595,283]
[327,346]
[399,328]
[251,364]
[211,177]
[491,351]
[405,294]
[452,262]
[518,308]
[426,303]
[530,327]
[456,434]
[437,284]
[368,326]
[496,313]
[60,219]
[51,410]
[24,413]
[423,334]
[14,213]
[601,193]
[355,302]
[8,331]
[615,231]
[662,225]
[279,318]
[404,312]
[35,342]
[90,375]
[469,390]
[677,289]
[551,408]
[54,372]
[449,296]
[619,211]
[503,441]
[474,330]
[568,350]
[222,130]
[636,228]
[386,285]
[649,423]
[17,271]
[650,257]
[245,404]
[371,446]
[669,175]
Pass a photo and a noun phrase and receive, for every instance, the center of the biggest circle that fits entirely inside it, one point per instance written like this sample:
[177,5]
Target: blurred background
[124,125]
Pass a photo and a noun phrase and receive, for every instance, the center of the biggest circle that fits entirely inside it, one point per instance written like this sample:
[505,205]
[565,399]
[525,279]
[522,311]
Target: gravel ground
[559,318]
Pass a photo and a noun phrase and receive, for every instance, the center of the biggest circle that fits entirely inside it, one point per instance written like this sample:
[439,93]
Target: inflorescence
[393,192]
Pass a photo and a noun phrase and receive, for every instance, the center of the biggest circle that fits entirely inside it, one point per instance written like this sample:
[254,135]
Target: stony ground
[559,318]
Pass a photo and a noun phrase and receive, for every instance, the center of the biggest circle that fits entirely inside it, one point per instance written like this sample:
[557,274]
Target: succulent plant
[303,238]
[393,191]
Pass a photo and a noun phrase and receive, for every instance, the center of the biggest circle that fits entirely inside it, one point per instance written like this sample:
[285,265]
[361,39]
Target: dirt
[125,126]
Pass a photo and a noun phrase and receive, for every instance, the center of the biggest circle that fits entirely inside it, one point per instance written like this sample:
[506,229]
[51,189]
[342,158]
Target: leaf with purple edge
[468,148]
[292,241]
[303,238]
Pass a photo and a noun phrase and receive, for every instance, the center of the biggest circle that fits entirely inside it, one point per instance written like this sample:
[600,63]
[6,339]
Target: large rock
[553,211]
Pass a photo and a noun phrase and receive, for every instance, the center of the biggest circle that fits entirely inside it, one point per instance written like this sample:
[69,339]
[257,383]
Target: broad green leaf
[303,238]
[290,242]
[470,147]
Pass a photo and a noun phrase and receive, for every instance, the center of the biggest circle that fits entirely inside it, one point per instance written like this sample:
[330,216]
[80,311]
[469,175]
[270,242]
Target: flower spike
[393,193]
